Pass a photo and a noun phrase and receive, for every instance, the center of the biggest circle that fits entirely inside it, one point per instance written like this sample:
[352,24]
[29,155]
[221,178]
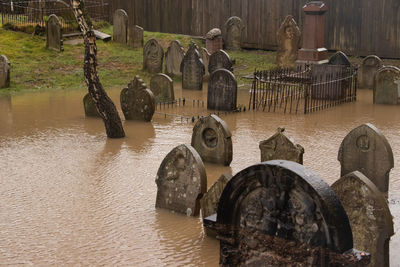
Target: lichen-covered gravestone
[370,218]
[162,87]
[54,33]
[366,150]
[137,102]
[222,91]
[280,146]
[233,33]
[339,59]
[192,68]
[288,38]
[370,65]
[136,37]
[387,86]
[205,56]
[120,29]
[89,106]
[214,40]
[212,140]
[173,58]
[220,60]
[181,181]
[4,72]
[153,56]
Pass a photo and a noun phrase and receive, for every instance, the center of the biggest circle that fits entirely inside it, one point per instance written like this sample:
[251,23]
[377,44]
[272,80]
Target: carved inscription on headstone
[233,33]
[386,86]
[222,91]
[120,29]
[4,72]
[136,37]
[192,68]
[220,60]
[153,56]
[370,65]
[288,38]
[54,33]
[339,59]
[90,107]
[173,58]
[162,87]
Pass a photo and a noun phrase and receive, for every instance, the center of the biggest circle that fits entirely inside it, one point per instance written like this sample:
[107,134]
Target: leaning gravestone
[53,33]
[387,86]
[366,150]
[220,60]
[279,146]
[4,72]
[233,33]
[222,91]
[181,181]
[192,68]
[339,59]
[153,55]
[90,107]
[136,37]
[370,65]
[205,56]
[173,58]
[120,29]
[137,102]
[370,218]
[162,87]
[288,38]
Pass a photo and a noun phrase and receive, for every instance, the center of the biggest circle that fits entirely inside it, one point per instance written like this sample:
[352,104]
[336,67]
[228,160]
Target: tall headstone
[280,146]
[370,65]
[137,102]
[193,70]
[120,29]
[370,218]
[4,72]
[222,91]
[205,56]
[173,58]
[153,56]
[214,40]
[387,86]
[366,150]
[90,107]
[220,60]
[233,33]
[181,181]
[212,139]
[339,59]
[288,38]
[136,37]
[162,87]
[54,33]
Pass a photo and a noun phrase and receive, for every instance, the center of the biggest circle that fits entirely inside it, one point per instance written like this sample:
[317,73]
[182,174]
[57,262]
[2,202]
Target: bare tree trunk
[104,104]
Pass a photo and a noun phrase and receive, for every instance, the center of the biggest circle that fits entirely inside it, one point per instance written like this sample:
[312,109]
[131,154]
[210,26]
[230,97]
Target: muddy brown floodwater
[70,196]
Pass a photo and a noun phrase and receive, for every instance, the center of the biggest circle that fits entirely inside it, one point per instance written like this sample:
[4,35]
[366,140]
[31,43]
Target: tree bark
[104,104]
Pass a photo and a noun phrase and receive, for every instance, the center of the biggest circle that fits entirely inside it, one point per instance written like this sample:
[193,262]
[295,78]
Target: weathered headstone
[233,33]
[214,40]
[90,107]
[153,55]
[4,72]
[339,59]
[181,181]
[288,38]
[137,102]
[366,150]
[120,29]
[173,58]
[54,33]
[222,91]
[162,87]
[205,56]
[387,86]
[324,73]
[192,68]
[279,146]
[370,218]
[370,65]
[136,37]
[220,60]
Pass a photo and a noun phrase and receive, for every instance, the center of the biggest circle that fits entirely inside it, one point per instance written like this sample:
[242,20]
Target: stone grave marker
[288,39]
[162,87]
[54,33]
[193,70]
[339,58]
[90,107]
[136,37]
[370,65]
[137,102]
[4,72]
[222,91]
[366,150]
[233,33]
[173,58]
[280,146]
[370,218]
[205,56]
[220,60]
[153,56]
[214,40]
[386,87]
[120,29]
[181,181]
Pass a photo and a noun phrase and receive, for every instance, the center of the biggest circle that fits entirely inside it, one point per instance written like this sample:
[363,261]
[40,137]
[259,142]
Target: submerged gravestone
[370,218]
[192,68]
[366,150]
[181,181]
[4,72]
[137,102]
[209,202]
[370,65]
[387,86]
[205,56]
[233,33]
[339,59]
[214,40]
[212,139]
[222,91]
[162,87]
[220,60]
[173,58]
[89,106]
[153,55]
[120,29]
[136,37]
[280,146]
[288,39]
[54,33]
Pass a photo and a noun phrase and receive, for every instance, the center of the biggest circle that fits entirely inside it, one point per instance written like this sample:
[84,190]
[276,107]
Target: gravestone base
[312,56]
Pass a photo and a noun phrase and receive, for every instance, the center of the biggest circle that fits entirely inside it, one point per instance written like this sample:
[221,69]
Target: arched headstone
[205,56]
[4,72]
[181,181]
[153,56]
[192,68]
[288,38]
[222,91]
[162,87]
[173,58]
[120,29]
[136,37]
[212,139]
[137,102]
[54,33]
[370,218]
[90,107]
[233,33]
[220,60]
[370,65]
[339,59]
[387,86]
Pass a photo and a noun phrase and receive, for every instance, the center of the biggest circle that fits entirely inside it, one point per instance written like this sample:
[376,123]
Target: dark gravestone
[90,107]
[339,58]
[279,146]
[153,55]
[220,60]
[288,38]
[136,37]
[222,91]
[233,33]
[137,102]
[162,87]
[214,40]
[212,140]
[4,72]
[192,68]
[205,56]
[120,29]
[370,218]
[366,150]
[332,74]
[387,86]
[173,58]
[54,33]
[370,65]
[181,181]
